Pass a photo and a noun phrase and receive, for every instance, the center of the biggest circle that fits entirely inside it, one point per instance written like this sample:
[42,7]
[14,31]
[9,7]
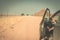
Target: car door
[56,18]
[46,15]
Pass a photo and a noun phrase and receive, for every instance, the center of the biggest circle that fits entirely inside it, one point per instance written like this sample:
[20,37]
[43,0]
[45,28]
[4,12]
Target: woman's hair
[50,19]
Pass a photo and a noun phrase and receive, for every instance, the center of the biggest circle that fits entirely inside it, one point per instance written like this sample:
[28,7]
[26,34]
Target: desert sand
[20,27]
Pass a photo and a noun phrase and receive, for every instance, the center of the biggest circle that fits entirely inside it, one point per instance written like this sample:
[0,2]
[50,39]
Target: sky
[16,7]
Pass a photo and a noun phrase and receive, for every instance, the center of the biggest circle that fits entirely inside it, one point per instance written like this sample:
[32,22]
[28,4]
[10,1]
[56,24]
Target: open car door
[46,15]
[56,18]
